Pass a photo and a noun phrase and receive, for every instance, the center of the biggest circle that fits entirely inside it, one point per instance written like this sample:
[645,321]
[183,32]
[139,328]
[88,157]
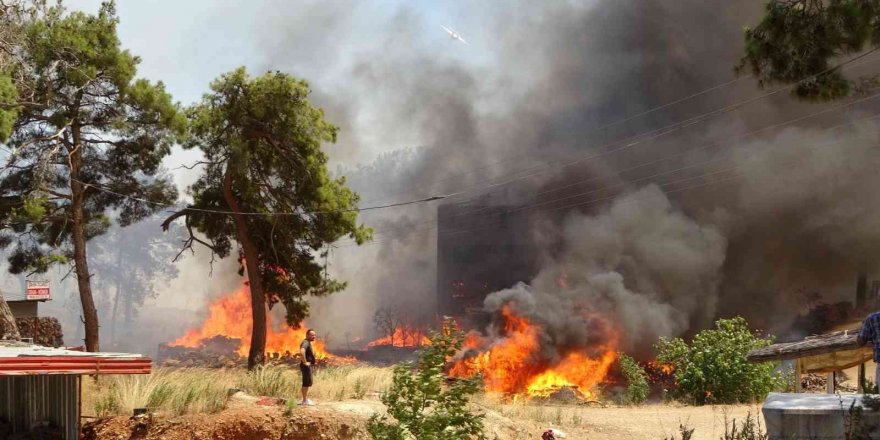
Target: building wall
[26,400]
[480,250]
[23,309]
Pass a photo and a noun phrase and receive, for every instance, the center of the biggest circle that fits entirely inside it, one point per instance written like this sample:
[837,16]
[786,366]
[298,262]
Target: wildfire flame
[403,336]
[512,365]
[230,316]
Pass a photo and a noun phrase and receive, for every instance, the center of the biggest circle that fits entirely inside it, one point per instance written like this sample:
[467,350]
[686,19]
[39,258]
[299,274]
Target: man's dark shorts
[307,375]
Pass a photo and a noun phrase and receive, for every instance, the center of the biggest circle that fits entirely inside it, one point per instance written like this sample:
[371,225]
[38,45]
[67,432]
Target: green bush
[636,380]
[713,368]
[419,403]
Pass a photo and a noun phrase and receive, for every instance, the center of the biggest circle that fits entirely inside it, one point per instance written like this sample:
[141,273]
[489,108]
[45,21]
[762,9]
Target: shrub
[419,403]
[636,379]
[713,368]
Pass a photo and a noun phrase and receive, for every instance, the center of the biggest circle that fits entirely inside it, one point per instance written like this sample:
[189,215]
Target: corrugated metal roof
[17,358]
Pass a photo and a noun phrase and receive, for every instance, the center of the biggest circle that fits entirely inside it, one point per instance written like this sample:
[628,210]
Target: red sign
[37,290]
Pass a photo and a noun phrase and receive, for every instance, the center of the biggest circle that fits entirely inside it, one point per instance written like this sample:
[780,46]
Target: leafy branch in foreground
[421,405]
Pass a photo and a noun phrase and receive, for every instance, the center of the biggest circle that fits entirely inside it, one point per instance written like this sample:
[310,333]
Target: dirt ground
[346,421]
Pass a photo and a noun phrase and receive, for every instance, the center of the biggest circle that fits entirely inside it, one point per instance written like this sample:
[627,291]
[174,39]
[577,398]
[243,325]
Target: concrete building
[480,249]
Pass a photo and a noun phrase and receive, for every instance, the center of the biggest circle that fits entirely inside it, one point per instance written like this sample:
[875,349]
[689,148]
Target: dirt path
[345,421]
[656,422]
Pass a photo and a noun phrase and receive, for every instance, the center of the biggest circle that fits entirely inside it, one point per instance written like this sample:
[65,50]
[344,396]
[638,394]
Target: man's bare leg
[305,391]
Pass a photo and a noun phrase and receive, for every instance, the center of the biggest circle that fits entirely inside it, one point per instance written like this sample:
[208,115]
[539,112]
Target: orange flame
[404,336]
[230,316]
[512,365]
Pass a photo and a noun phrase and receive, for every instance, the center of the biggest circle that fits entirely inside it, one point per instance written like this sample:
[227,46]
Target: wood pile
[217,352]
[45,331]
[814,382]
[567,395]
[817,383]
[187,357]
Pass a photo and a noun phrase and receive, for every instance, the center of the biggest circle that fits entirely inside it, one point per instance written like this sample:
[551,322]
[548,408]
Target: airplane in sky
[454,35]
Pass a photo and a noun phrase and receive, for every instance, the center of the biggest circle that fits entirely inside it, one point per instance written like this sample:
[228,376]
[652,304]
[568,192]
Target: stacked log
[45,331]
[186,357]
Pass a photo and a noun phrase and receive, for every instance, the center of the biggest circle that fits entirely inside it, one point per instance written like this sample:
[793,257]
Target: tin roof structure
[25,359]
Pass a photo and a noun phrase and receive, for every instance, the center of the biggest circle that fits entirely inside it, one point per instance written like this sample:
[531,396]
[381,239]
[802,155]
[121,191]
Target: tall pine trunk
[257,352]
[8,327]
[80,260]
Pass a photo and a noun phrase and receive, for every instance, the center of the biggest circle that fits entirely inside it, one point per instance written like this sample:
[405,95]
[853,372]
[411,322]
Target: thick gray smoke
[670,233]
[641,265]
[660,234]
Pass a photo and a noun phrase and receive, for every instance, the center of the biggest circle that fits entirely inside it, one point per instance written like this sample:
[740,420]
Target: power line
[662,131]
[637,139]
[597,200]
[218,211]
[602,127]
[703,147]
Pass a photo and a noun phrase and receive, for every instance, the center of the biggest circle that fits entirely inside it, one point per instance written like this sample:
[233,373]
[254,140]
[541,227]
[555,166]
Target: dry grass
[196,390]
[350,382]
[201,390]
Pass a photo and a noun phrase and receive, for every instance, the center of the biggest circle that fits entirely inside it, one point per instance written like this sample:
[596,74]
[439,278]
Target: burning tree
[87,138]
[265,186]
[400,329]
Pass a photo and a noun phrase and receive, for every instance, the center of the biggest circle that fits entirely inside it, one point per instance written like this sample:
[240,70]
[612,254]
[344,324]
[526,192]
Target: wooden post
[829,383]
[798,370]
[861,378]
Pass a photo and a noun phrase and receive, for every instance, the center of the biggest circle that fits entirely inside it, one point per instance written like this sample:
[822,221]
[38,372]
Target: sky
[187,44]
[202,39]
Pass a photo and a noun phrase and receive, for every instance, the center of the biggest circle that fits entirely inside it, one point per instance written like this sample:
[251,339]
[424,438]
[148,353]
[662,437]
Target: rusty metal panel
[28,400]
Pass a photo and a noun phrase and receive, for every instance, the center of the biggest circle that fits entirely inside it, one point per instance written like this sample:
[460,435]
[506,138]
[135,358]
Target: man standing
[871,332]
[306,362]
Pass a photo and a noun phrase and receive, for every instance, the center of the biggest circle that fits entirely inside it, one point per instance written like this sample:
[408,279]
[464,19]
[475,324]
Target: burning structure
[484,251]
[480,249]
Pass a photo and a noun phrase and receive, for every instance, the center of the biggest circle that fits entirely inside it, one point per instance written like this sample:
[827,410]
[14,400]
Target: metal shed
[41,385]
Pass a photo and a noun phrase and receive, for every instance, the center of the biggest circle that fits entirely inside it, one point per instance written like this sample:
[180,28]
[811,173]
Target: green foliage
[787,382]
[421,406]
[87,119]
[289,406]
[796,40]
[8,107]
[870,387]
[264,137]
[637,380]
[713,368]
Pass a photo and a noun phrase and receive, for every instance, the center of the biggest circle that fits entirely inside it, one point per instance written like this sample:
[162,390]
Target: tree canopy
[261,139]
[798,40]
[87,140]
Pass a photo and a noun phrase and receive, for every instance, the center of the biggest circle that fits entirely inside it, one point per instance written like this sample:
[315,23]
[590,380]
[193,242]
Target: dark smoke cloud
[422,115]
[660,265]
